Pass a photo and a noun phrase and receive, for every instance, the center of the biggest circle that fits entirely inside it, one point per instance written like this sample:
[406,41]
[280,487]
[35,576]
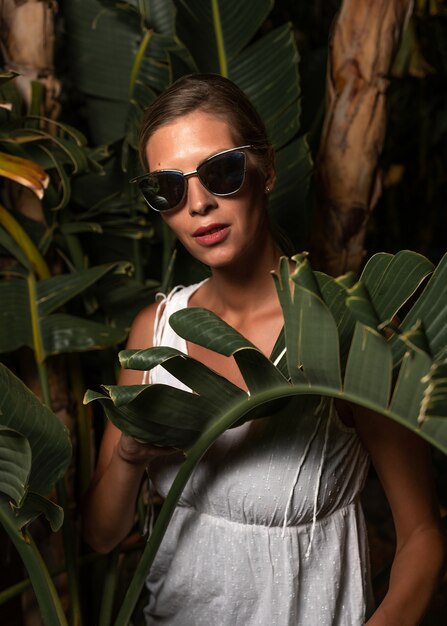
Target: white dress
[269,530]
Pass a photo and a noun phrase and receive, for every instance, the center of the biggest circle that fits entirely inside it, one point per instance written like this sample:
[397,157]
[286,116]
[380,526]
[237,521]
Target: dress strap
[175,300]
[160,319]
[160,323]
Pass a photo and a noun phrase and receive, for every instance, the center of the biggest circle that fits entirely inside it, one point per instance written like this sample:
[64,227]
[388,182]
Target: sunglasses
[222,174]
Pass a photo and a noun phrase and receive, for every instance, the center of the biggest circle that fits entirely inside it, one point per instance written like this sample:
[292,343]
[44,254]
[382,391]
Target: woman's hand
[109,506]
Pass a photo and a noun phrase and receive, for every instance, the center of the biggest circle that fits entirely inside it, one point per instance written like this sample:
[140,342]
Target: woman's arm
[402,462]
[109,505]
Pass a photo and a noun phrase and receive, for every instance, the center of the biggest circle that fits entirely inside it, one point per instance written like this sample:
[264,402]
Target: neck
[247,285]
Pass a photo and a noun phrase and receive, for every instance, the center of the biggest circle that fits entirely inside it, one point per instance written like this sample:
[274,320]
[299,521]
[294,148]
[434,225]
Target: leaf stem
[26,244]
[138,60]
[221,54]
[39,351]
[194,454]
[68,535]
[46,594]
[109,588]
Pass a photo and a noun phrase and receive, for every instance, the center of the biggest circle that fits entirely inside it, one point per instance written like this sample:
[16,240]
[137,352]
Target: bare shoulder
[142,329]
[140,338]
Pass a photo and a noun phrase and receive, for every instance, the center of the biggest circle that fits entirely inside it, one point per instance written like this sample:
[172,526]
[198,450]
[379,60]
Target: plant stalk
[109,588]
[68,535]
[193,456]
[217,23]
[26,244]
[46,594]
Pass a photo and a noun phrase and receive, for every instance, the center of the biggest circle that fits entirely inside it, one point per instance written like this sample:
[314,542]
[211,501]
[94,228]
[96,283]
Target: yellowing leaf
[24,172]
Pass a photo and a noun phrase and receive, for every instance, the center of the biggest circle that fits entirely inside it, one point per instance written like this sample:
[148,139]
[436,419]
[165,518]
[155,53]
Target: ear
[270,176]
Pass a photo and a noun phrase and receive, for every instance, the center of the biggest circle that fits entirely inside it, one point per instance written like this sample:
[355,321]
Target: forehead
[188,139]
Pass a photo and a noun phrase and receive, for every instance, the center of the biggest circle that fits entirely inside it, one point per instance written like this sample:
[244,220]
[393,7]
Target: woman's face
[219,231]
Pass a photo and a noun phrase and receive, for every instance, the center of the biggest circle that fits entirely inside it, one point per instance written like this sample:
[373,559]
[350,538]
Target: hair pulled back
[217,96]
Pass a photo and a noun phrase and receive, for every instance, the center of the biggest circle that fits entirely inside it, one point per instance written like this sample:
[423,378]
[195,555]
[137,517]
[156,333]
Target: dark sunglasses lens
[224,173]
[163,191]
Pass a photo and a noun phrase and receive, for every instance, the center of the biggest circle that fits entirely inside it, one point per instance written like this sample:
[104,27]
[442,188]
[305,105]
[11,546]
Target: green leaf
[258,371]
[369,367]
[159,424]
[58,290]
[313,355]
[334,295]
[361,305]
[208,330]
[288,203]
[15,464]
[213,333]
[102,47]
[161,16]
[193,373]
[13,248]
[50,606]
[273,85]
[215,32]
[21,411]
[316,318]
[409,388]
[15,327]
[430,309]
[66,333]
[26,318]
[416,397]
[34,506]
[392,279]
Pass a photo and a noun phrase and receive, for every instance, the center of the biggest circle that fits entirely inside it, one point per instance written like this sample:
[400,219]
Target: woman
[269,530]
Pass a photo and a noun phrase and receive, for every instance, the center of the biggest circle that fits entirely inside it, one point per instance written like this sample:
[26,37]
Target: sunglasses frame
[186,175]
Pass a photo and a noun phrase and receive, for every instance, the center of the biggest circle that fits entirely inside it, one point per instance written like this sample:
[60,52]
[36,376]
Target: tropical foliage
[52,261]
[34,455]
[156,42]
[341,339]
[80,256]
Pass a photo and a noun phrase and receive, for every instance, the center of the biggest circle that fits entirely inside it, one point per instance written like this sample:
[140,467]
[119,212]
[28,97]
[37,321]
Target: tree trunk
[27,45]
[362,48]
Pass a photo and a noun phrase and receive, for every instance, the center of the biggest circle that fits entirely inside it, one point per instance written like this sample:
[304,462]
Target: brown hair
[217,96]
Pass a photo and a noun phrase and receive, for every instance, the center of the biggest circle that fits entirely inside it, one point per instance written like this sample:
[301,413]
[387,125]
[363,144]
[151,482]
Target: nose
[199,199]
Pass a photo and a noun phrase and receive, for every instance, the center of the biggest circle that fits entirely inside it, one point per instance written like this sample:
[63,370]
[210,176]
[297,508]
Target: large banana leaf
[119,51]
[34,445]
[28,315]
[216,32]
[124,53]
[341,339]
[35,452]
[217,35]
[339,343]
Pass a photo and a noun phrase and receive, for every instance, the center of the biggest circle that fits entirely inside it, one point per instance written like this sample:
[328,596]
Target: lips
[211,234]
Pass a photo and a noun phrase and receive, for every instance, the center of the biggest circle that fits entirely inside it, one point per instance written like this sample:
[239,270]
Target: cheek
[255,184]
[256,203]
[176,224]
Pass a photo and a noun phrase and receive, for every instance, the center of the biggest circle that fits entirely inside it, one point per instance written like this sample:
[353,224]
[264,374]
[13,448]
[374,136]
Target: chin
[216,257]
